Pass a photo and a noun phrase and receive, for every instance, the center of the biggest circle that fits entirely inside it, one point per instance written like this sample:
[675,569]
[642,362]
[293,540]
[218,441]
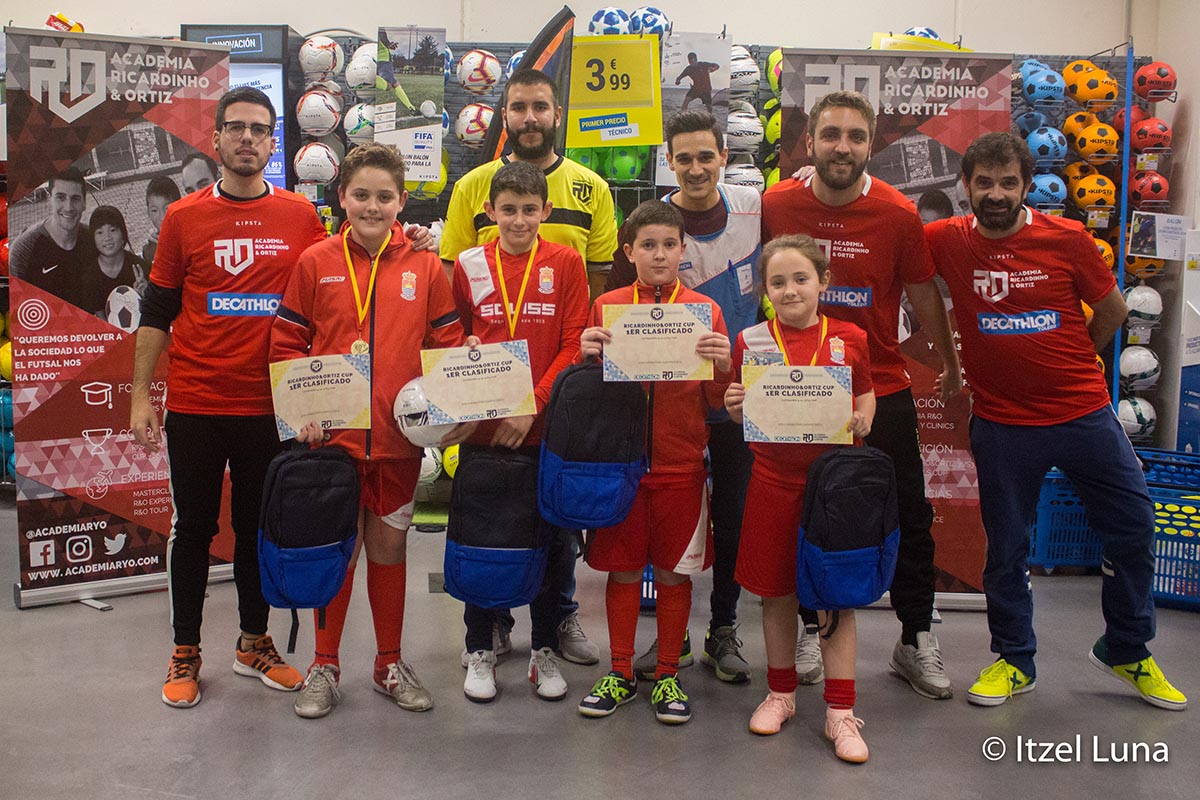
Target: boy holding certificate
[367,292]
[668,525]
[519,286]
[795,273]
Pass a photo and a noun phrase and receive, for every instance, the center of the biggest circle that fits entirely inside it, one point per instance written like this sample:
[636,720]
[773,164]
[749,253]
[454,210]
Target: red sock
[672,608]
[385,589]
[782,680]
[839,692]
[329,637]
[621,602]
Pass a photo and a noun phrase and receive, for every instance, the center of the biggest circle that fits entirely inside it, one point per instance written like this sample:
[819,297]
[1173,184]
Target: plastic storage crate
[1060,536]
[1170,468]
[1176,547]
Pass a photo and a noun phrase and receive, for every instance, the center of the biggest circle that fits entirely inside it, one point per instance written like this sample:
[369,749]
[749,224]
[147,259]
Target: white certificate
[332,390]
[488,382]
[801,404]
[656,342]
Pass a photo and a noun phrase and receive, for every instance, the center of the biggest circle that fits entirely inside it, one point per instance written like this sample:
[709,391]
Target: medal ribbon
[363,305]
[671,299]
[514,314]
[783,348]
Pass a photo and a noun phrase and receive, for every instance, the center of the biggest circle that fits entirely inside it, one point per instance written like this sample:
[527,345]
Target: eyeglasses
[237,129]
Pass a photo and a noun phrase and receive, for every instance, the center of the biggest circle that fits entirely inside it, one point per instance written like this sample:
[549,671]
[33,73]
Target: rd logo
[67,69]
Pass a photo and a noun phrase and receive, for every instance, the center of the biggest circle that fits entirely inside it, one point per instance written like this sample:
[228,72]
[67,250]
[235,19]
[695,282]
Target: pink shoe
[842,728]
[771,713]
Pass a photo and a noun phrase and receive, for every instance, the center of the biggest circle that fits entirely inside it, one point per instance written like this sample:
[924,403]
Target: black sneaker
[671,705]
[610,692]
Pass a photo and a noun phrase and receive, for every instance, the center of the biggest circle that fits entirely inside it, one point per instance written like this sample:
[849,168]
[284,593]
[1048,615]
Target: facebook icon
[41,554]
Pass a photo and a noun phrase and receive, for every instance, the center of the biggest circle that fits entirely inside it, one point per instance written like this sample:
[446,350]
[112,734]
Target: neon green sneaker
[1144,675]
[999,682]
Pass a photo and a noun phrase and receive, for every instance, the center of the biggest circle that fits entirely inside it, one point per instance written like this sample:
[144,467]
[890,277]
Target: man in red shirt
[1017,278]
[874,240]
[224,257]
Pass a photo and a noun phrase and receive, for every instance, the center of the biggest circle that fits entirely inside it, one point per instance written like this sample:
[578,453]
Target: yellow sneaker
[997,683]
[261,660]
[1144,675]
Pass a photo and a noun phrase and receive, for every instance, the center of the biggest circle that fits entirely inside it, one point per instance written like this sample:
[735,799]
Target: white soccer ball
[479,71]
[1145,306]
[649,20]
[514,63]
[745,175]
[321,58]
[431,465]
[123,308]
[609,21]
[744,132]
[331,88]
[1139,367]
[316,163]
[411,411]
[366,50]
[360,75]
[744,74]
[1137,416]
[447,64]
[317,112]
[472,124]
[429,109]
[334,143]
[359,123]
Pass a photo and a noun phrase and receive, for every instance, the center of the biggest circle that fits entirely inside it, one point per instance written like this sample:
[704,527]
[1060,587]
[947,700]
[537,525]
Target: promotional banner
[929,108]
[104,133]
[410,94]
[695,74]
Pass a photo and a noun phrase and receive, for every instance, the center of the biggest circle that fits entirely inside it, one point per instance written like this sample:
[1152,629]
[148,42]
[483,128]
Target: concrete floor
[79,700]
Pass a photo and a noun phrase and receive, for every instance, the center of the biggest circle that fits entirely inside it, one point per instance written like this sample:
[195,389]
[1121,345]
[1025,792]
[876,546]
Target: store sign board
[615,94]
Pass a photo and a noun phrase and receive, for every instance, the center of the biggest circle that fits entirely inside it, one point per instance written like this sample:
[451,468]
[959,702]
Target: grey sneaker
[647,662]
[319,692]
[401,684]
[573,644]
[810,668]
[480,684]
[501,643]
[922,667]
[722,653]
[545,675]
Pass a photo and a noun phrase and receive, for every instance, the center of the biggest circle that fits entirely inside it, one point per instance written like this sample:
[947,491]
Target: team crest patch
[408,285]
[582,191]
[837,350]
[546,280]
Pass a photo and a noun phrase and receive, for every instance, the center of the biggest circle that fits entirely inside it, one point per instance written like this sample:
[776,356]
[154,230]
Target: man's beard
[996,217]
[526,153]
[825,173]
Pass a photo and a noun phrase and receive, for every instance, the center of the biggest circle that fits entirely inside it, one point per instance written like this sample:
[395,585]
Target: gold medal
[360,348]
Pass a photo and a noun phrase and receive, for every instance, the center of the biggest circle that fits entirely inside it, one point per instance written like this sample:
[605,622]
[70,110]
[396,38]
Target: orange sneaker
[263,661]
[842,728]
[182,689]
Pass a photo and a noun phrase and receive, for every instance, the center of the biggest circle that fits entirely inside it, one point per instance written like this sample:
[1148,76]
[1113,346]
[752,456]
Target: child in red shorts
[668,525]
[794,275]
[367,290]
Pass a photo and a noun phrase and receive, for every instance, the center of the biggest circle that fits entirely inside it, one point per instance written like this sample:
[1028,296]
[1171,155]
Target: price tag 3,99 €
[615,92]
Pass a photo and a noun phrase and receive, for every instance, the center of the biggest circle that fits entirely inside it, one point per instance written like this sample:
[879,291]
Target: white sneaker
[319,692]
[545,675]
[810,668]
[480,684]
[573,643]
[922,667]
[501,643]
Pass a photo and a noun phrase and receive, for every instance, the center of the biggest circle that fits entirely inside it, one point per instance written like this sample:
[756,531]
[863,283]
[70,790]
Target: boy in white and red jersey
[367,290]
[224,256]
[1017,278]
[873,238]
[668,526]
[520,286]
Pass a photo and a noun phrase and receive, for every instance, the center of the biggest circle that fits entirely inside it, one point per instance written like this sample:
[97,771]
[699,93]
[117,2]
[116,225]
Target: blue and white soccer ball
[649,19]
[609,21]
[923,32]
[514,63]
[447,64]
[1047,189]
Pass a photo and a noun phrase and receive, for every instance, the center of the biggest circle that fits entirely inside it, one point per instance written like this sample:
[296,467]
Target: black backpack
[849,530]
[593,449]
[307,529]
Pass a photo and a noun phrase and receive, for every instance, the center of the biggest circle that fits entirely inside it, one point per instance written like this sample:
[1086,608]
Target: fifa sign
[67,69]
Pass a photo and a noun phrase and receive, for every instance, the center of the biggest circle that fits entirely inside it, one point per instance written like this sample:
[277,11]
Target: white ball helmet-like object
[411,410]
[1139,367]
[743,132]
[1145,305]
[1137,416]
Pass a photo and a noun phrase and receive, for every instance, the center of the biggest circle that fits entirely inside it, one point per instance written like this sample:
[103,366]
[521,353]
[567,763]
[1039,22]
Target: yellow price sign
[615,93]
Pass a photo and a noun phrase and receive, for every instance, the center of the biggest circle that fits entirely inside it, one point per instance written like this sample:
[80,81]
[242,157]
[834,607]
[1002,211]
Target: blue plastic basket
[1169,468]
[1060,536]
